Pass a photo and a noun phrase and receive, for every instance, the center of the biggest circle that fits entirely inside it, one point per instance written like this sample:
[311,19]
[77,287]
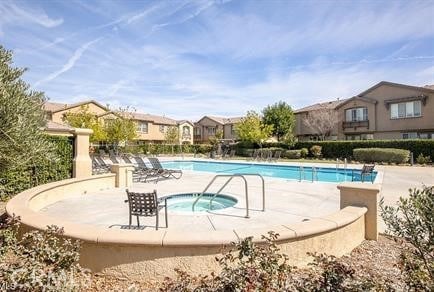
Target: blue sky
[185,59]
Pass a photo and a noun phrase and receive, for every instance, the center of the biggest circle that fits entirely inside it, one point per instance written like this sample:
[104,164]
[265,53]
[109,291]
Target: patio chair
[232,153]
[97,168]
[145,205]
[146,171]
[367,170]
[102,162]
[225,153]
[277,155]
[166,173]
[102,152]
[114,159]
[255,154]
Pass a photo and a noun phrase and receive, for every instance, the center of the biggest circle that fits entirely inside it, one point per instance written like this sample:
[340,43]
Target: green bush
[40,260]
[304,152]
[292,154]
[423,159]
[389,155]
[251,267]
[42,171]
[344,149]
[412,223]
[316,151]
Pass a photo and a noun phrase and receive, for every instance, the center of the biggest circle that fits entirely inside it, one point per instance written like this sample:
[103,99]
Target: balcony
[186,136]
[355,124]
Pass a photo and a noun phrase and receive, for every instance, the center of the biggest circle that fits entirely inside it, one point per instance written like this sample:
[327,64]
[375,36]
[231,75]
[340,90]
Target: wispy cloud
[11,13]
[69,64]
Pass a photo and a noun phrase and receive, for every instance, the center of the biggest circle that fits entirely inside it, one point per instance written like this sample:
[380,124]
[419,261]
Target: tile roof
[328,104]
[53,126]
[54,106]
[225,121]
[154,118]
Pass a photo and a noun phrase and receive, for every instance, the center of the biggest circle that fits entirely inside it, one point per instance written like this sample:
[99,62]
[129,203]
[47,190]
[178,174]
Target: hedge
[17,180]
[344,149]
[389,155]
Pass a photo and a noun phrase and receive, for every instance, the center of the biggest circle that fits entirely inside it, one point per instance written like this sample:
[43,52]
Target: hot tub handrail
[230,176]
[263,186]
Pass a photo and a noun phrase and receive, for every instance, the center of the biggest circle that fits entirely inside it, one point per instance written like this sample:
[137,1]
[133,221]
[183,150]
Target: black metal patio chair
[146,205]
[367,170]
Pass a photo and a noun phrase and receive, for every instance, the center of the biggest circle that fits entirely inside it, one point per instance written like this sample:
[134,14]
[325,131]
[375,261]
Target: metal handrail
[230,177]
[314,173]
[244,175]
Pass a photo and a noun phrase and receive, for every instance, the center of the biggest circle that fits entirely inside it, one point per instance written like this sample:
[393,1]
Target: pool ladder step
[229,178]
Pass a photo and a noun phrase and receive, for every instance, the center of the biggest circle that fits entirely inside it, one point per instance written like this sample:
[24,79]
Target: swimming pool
[322,174]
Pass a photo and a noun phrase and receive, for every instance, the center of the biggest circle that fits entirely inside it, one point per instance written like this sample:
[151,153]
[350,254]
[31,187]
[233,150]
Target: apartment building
[385,111]
[150,128]
[208,126]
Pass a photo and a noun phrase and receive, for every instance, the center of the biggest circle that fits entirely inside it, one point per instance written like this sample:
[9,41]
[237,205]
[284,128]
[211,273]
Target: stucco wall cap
[257,233]
[199,238]
[359,186]
[82,131]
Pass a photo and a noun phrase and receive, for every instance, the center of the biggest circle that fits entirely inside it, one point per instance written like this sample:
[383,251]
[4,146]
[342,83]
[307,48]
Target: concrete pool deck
[286,201]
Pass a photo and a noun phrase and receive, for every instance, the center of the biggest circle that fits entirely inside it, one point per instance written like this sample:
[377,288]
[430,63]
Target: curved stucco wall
[149,253]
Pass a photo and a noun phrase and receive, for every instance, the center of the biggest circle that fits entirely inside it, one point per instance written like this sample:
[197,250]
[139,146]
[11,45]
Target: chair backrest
[155,163]
[102,152]
[114,159]
[127,159]
[140,162]
[277,154]
[368,168]
[142,204]
[101,161]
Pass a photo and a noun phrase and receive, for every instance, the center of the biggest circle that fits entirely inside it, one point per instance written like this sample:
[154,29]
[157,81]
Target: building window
[142,127]
[162,128]
[359,137]
[186,130]
[233,132]
[197,131]
[211,130]
[405,110]
[412,135]
[356,114]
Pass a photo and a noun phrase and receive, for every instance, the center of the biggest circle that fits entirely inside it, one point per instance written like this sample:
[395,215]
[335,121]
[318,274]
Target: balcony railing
[355,124]
[186,136]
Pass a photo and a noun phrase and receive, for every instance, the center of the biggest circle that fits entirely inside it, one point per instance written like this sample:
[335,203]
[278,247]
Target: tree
[281,117]
[122,129]
[412,222]
[321,121]
[22,118]
[85,119]
[172,136]
[252,129]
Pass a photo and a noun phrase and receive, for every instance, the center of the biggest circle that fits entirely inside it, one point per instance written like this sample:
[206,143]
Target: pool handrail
[263,186]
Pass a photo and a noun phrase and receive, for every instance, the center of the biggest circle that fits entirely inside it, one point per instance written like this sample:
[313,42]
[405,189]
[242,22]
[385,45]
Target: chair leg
[130,220]
[165,215]
[156,221]
[138,222]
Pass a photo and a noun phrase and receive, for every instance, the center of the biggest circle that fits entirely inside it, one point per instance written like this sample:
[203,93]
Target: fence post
[81,164]
[363,195]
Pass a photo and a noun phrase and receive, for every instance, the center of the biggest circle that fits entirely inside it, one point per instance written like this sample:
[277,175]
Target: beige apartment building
[150,128]
[385,111]
[208,126]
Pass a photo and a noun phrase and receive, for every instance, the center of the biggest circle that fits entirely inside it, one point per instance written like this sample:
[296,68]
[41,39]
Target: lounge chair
[102,162]
[232,153]
[277,155]
[255,154]
[147,172]
[367,170]
[166,173]
[225,153]
[98,168]
[145,205]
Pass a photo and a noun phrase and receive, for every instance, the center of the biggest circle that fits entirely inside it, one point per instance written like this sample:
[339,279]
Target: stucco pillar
[363,195]
[81,164]
[124,175]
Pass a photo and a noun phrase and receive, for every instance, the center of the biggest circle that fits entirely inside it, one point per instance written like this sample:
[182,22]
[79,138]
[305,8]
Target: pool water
[184,202]
[322,174]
